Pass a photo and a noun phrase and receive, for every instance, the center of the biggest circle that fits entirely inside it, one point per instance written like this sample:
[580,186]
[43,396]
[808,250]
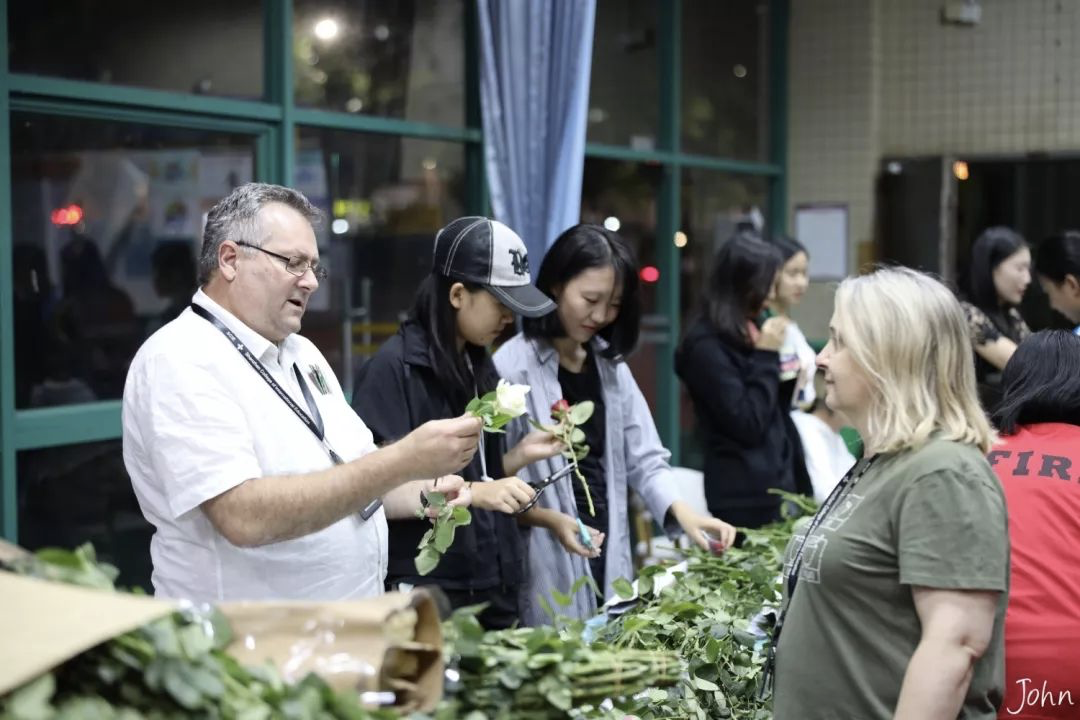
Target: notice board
[823,229]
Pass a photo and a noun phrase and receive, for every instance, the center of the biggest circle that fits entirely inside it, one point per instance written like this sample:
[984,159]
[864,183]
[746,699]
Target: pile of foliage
[543,673]
[690,649]
[708,617]
[173,667]
[714,618]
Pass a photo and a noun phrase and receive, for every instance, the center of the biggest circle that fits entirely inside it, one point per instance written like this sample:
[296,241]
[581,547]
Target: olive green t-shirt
[933,517]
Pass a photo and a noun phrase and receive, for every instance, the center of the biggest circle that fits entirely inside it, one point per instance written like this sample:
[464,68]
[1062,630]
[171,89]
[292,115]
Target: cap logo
[520,262]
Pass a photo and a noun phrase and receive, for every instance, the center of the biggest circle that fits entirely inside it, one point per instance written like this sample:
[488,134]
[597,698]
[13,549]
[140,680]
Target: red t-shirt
[1039,468]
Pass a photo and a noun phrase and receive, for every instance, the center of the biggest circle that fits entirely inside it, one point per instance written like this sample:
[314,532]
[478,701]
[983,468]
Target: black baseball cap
[484,251]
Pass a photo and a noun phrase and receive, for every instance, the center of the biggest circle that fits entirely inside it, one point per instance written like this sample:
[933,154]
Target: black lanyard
[850,478]
[314,421]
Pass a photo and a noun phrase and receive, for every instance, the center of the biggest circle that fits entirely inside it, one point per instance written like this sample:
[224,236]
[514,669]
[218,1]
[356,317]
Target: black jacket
[743,421]
[396,392]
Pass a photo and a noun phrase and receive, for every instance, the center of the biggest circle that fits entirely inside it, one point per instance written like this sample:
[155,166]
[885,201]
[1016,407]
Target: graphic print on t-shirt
[810,570]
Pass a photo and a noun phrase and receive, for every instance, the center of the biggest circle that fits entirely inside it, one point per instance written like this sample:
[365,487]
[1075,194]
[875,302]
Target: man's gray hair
[236,218]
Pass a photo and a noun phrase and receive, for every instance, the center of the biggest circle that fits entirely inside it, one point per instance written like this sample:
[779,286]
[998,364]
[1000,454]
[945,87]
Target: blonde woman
[895,595]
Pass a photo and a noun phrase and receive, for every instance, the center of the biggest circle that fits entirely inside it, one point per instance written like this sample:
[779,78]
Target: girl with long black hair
[731,368]
[430,369]
[576,354]
[999,276]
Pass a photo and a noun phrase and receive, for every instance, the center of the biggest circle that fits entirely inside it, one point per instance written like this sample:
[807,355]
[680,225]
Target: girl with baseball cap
[432,367]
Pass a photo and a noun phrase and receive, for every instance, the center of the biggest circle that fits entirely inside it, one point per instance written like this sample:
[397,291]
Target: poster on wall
[174,182]
[823,229]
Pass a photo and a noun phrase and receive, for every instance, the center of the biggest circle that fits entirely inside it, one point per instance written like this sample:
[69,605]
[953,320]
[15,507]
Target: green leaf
[510,678]
[162,633]
[461,516]
[712,650]
[561,598]
[176,683]
[61,558]
[703,684]
[31,701]
[623,588]
[653,571]
[427,560]
[559,695]
[205,680]
[305,704]
[444,536]
[581,412]
[577,436]
[582,582]
[194,641]
[473,406]
[499,420]
[546,607]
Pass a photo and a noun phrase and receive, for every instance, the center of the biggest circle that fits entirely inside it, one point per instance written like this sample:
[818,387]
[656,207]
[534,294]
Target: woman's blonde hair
[908,334]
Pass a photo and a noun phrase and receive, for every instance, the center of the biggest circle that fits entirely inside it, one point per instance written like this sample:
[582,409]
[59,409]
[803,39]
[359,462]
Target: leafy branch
[543,674]
[495,409]
[438,539]
[568,419]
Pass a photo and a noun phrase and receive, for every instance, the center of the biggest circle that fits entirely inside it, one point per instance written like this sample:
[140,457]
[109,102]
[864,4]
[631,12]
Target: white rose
[510,398]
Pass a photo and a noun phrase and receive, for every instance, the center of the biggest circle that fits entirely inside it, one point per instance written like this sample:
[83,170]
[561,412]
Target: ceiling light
[326,29]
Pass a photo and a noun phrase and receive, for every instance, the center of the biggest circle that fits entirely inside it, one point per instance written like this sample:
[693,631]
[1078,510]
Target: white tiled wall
[833,106]
[1011,84]
[870,78]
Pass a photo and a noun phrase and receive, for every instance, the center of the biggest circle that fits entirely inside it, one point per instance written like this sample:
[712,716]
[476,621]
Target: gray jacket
[633,456]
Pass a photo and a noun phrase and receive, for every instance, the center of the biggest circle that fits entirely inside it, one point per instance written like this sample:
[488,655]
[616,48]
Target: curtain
[535,62]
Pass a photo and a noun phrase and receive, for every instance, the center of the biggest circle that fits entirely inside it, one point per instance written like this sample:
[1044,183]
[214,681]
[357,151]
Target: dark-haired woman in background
[430,369]
[1000,274]
[731,369]
[797,358]
[576,354]
[1038,461]
[1058,268]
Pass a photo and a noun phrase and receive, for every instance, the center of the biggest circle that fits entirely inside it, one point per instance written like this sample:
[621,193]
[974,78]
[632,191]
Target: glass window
[199,46]
[107,220]
[624,91]
[382,57]
[725,78]
[386,197]
[81,493]
[622,196]
[713,203]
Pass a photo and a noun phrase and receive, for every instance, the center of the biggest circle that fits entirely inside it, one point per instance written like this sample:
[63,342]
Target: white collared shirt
[199,420]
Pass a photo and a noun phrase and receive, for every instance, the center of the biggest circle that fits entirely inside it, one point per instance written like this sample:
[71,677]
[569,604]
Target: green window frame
[272,122]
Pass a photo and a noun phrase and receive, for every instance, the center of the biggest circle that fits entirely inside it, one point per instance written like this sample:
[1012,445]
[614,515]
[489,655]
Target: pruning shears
[542,485]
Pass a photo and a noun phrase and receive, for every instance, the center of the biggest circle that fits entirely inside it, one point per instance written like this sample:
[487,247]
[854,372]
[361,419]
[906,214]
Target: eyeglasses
[293,265]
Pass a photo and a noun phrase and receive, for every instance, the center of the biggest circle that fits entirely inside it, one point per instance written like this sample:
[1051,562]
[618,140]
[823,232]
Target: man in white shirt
[260,480]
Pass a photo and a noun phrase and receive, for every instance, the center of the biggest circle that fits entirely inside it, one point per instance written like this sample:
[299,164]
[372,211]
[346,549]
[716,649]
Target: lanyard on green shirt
[850,478]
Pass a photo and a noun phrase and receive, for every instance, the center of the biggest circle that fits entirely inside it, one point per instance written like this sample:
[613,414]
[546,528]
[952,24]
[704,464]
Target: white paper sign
[823,229]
